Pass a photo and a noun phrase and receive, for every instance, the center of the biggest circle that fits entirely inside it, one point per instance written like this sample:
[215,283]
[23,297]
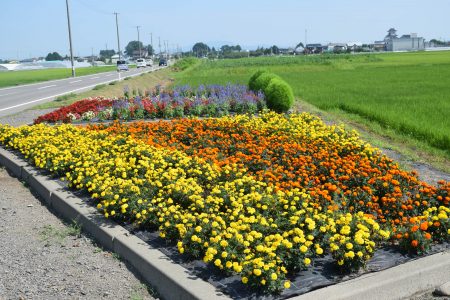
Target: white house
[407,42]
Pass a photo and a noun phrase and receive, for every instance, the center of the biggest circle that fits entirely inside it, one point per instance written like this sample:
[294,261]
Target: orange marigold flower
[414,243]
[427,236]
[424,226]
[414,228]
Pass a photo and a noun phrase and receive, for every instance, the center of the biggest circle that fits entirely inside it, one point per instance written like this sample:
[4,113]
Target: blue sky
[36,27]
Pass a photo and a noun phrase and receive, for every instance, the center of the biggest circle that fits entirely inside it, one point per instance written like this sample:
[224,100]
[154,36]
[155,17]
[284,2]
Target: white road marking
[67,92]
[95,77]
[43,82]
[75,81]
[109,75]
[6,94]
[46,87]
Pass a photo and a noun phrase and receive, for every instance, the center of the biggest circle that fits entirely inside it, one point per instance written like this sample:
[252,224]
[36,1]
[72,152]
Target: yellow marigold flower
[349,246]
[244,280]
[350,254]
[257,272]
[273,276]
[303,248]
[287,284]
[307,261]
[218,262]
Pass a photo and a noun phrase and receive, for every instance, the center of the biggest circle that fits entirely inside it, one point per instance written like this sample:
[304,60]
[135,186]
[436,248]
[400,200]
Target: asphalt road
[18,98]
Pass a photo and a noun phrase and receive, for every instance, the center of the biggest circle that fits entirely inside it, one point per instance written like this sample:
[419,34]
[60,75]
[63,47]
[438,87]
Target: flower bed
[261,197]
[209,101]
[81,110]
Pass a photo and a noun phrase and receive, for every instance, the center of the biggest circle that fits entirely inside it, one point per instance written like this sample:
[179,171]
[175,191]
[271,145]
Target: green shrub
[251,82]
[279,96]
[263,80]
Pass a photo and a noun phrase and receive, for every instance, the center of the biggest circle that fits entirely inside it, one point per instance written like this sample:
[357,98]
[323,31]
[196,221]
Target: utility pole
[151,43]
[70,39]
[159,42]
[165,48]
[139,41]
[306,39]
[92,54]
[117,29]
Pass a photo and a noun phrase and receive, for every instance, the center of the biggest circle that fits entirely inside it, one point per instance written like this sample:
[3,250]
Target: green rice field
[406,92]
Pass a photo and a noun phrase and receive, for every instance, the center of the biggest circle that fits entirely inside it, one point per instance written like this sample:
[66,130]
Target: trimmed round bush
[279,95]
[262,81]
[251,82]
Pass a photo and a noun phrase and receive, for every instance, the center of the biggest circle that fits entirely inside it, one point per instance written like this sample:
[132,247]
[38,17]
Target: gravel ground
[43,258]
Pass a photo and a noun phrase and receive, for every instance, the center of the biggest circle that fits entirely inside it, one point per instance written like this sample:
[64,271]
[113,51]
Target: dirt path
[43,258]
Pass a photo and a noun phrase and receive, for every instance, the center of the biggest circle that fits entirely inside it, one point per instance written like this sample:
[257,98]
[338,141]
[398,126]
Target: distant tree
[438,42]
[53,56]
[150,50]
[200,49]
[133,46]
[258,52]
[238,48]
[106,54]
[275,50]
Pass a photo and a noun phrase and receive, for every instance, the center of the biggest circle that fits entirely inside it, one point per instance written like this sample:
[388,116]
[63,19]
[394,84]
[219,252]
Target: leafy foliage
[251,82]
[279,95]
[262,81]
[53,56]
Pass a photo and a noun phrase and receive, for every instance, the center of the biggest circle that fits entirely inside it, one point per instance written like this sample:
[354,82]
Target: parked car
[141,63]
[149,62]
[162,62]
[122,66]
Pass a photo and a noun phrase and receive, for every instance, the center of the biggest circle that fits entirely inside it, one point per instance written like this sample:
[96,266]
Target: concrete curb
[399,282]
[175,282]
[171,280]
